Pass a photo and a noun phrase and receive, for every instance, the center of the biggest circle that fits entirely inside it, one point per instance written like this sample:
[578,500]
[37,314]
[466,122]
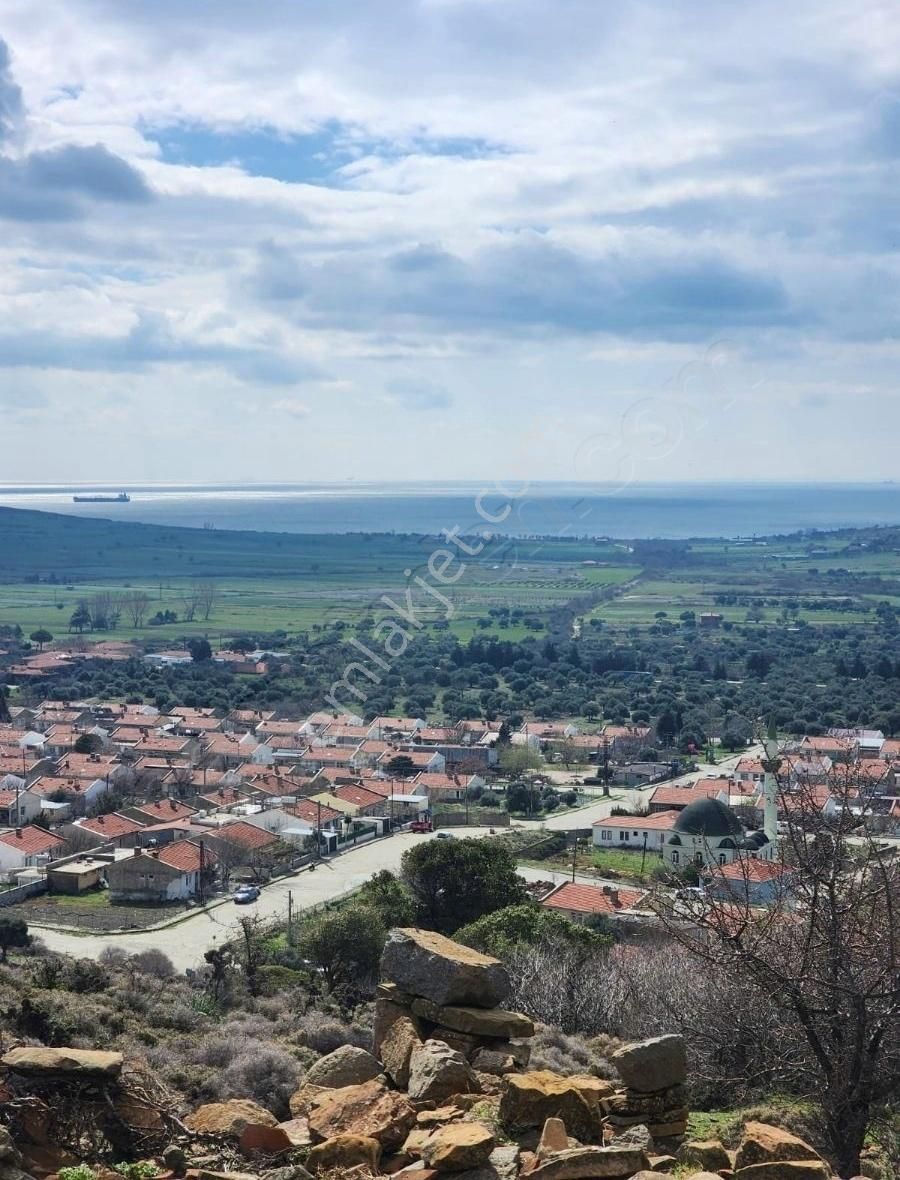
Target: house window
[634,834]
[698,858]
[675,858]
[723,859]
[606,834]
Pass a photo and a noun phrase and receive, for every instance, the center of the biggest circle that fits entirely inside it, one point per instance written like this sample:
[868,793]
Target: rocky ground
[444,1092]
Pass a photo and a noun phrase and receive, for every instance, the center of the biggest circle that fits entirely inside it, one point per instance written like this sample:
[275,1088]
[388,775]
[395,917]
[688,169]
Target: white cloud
[520,215]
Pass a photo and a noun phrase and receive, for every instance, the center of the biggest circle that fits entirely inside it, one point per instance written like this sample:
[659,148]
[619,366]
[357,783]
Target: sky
[449,239]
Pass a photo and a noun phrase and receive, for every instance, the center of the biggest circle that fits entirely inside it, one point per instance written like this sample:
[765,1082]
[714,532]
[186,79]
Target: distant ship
[122,498]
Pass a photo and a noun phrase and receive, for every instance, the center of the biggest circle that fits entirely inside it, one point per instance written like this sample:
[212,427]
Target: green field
[269,583]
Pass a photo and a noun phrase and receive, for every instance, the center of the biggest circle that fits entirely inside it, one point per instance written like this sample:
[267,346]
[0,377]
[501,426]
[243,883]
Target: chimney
[137,850]
[18,833]
[614,896]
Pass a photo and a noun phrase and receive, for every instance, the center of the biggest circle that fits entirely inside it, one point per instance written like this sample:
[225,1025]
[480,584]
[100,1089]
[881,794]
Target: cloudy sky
[313,239]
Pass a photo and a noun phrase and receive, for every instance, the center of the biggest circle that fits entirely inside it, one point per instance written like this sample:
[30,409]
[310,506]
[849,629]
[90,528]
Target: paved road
[585,816]
[185,942]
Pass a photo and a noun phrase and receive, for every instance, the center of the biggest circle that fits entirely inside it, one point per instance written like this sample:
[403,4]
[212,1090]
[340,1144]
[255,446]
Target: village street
[186,940]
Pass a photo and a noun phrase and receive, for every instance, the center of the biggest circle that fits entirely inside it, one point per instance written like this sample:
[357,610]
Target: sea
[639,511]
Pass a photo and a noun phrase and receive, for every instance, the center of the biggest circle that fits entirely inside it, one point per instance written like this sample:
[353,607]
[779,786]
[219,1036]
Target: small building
[28,847]
[710,618]
[635,831]
[179,871]
[77,876]
[581,903]
[749,880]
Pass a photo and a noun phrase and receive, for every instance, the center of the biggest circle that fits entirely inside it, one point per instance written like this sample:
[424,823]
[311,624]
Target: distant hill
[51,546]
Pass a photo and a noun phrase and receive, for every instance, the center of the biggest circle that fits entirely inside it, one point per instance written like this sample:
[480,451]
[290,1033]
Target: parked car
[420,825]
[244,894]
[445,836]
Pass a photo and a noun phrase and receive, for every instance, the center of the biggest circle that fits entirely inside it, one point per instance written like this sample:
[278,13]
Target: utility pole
[202,870]
[606,766]
[318,829]
[574,854]
[643,854]
[290,918]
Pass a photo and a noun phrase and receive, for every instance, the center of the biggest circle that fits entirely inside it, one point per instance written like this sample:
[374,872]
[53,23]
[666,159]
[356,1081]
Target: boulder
[345,1151]
[490,1061]
[387,1011]
[762,1143]
[785,1170]
[297,1130]
[396,1049]
[265,1138]
[554,1138]
[38,1060]
[477,1022]
[369,1109]
[662,1163]
[464,1042]
[435,1118]
[207,1174]
[637,1136]
[427,964]
[228,1118]
[437,1072]
[708,1154]
[654,1064]
[458,1147]
[346,1066]
[45,1160]
[653,1175]
[306,1098]
[590,1163]
[529,1099]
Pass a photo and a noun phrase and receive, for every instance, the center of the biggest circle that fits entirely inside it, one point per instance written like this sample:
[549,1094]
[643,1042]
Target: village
[151,810]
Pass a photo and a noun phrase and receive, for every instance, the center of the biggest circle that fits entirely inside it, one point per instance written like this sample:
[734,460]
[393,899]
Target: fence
[478,817]
[20,892]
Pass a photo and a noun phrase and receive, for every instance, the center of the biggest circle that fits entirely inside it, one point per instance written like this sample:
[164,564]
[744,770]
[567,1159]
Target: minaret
[770,786]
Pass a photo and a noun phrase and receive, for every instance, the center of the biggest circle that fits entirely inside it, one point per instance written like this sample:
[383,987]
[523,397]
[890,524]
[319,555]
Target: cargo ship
[122,498]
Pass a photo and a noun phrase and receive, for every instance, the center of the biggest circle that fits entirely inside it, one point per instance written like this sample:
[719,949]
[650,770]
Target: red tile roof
[111,826]
[186,855]
[660,820]
[164,810]
[751,869]
[32,840]
[247,835]
[591,899]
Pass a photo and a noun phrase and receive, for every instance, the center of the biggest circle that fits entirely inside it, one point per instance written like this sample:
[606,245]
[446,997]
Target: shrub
[153,962]
[83,976]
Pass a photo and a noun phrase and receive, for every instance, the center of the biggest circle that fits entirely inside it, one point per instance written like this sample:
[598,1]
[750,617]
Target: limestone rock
[477,1022]
[297,1130]
[761,1143]
[345,1151]
[228,1118]
[306,1098]
[529,1099]
[397,1047]
[654,1064]
[416,1140]
[346,1066]
[654,1175]
[458,1147]
[46,1160]
[288,1172]
[369,1109]
[785,1170]
[386,1012]
[554,1138]
[464,1042]
[590,1163]
[428,964]
[704,1153]
[437,1072]
[435,1118]
[265,1138]
[490,1061]
[39,1060]
[206,1174]
[637,1136]
[662,1163]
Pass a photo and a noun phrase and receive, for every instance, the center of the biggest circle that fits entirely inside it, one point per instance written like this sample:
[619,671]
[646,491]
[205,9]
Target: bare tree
[190,601]
[207,594]
[826,950]
[136,603]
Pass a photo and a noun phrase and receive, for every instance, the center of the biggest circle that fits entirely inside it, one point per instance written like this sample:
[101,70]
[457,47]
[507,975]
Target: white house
[18,805]
[635,831]
[23,848]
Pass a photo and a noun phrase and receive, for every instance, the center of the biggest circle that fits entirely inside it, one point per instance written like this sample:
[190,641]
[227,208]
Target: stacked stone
[436,990]
[655,1094]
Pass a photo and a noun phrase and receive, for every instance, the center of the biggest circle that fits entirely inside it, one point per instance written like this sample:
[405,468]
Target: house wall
[631,837]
